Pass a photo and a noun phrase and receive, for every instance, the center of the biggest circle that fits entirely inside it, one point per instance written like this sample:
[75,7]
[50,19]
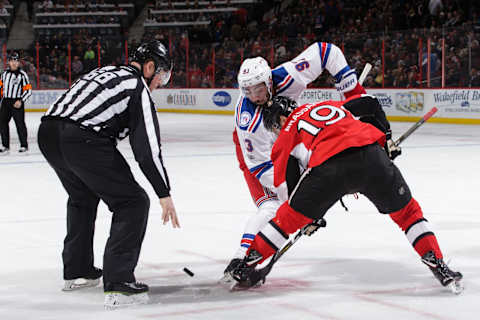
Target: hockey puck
[187,271]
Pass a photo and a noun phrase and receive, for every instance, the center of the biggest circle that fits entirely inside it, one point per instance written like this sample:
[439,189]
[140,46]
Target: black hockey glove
[392,150]
[311,228]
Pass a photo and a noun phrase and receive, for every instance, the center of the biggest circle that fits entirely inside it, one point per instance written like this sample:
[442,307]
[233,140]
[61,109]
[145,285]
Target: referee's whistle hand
[18,104]
[168,212]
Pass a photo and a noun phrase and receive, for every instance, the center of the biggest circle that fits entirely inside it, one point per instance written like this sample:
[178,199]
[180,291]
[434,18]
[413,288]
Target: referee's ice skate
[124,294]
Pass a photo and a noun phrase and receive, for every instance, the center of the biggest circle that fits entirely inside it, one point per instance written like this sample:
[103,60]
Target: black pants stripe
[91,168]
[366,170]
[7,111]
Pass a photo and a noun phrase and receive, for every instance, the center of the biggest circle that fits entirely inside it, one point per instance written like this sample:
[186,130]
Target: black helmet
[14,56]
[278,106]
[156,51]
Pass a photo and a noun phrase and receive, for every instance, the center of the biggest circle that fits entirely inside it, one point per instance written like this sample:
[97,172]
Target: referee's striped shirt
[15,85]
[116,101]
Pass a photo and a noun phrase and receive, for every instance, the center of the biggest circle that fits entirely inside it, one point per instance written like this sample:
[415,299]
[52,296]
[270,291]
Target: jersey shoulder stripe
[257,119]
[282,79]
[324,52]
[278,75]
[285,84]
[238,111]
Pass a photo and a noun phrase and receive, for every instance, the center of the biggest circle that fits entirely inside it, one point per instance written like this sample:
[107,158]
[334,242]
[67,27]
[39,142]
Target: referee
[15,90]
[78,137]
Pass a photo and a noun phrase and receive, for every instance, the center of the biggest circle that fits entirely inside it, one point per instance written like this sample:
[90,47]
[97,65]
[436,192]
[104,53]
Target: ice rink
[360,267]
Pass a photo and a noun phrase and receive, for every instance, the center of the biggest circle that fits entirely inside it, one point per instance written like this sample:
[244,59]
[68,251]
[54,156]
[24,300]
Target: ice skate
[23,151]
[90,280]
[448,278]
[125,294]
[4,151]
[227,273]
[245,274]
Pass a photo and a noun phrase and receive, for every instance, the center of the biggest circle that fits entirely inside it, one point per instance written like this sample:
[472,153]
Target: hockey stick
[365,72]
[263,272]
[413,128]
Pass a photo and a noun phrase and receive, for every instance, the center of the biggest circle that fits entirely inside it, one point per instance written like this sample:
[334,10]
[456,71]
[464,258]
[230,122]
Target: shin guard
[272,237]
[410,219]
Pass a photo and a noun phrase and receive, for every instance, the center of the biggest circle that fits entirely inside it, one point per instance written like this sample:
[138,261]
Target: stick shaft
[365,72]
[417,124]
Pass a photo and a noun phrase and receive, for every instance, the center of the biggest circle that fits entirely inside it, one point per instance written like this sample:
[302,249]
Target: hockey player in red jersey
[340,155]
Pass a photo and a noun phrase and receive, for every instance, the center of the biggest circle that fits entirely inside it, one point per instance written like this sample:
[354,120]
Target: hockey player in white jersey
[253,142]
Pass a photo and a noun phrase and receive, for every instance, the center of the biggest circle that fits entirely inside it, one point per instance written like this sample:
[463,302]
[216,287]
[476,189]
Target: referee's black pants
[7,111]
[91,168]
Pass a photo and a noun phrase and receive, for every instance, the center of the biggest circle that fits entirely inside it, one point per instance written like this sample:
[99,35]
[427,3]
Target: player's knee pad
[269,208]
[255,223]
[407,215]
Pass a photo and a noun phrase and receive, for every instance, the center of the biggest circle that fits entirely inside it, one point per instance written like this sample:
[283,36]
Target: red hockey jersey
[315,132]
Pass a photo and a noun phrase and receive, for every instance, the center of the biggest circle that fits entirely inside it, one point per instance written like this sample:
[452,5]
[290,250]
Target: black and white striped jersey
[15,85]
[116,101]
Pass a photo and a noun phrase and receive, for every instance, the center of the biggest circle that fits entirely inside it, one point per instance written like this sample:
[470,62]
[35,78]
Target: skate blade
[77,284]
[227,279]
[116,300]
[456,287]
[238,286]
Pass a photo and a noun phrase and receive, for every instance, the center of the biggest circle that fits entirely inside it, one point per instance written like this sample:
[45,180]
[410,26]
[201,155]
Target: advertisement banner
[42,99]
[462,103]
[192,100]
[454,105]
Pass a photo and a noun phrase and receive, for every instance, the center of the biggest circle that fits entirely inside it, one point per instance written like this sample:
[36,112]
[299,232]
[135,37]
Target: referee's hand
[168,212]
[18,104]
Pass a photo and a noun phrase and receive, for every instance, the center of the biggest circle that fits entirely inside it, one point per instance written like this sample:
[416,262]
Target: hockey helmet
[254,71]
[14,56]
[278,106]
[154,50]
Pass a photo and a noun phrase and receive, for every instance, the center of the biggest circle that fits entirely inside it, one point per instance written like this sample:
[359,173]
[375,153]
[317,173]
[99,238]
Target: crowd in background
[279,37]
[215,51]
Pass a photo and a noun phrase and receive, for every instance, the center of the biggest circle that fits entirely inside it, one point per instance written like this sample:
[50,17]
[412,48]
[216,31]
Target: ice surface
[360,267]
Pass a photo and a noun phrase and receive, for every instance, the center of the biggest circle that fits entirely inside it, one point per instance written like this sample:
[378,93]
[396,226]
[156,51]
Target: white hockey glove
[347,82]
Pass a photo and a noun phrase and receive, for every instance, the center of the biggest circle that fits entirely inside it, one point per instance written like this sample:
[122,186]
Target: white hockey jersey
[289,79]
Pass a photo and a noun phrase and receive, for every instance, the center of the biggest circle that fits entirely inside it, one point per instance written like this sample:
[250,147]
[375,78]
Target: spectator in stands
[89,59]
[475,79]
[77,67]
[3,10]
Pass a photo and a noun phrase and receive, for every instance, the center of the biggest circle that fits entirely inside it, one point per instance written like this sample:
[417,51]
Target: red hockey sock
[272,237]
[410,219]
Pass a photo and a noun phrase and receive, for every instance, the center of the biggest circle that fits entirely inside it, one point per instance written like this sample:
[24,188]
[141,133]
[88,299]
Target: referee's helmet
[154,50]
[14,56]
